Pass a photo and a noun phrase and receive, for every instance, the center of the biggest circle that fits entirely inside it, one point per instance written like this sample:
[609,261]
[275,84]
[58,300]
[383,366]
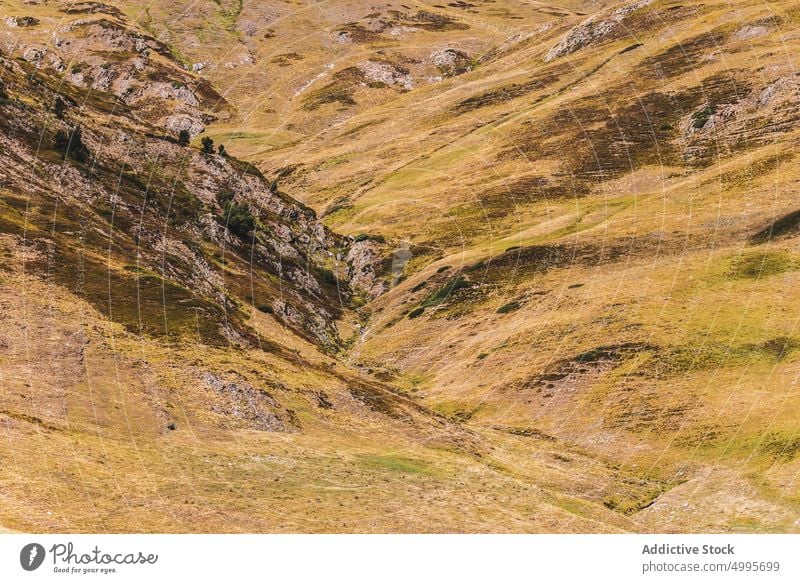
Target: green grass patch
[781,447]
[398,464]
[441,294]
[760,265]
[633,503]
[681,360]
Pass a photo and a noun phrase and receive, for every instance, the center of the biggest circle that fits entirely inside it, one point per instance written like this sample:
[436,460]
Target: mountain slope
[599,235]
[170,320]
[559,299]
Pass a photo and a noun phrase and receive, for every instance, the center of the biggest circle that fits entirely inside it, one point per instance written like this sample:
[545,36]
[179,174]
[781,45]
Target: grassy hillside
[603,244]
[552,292]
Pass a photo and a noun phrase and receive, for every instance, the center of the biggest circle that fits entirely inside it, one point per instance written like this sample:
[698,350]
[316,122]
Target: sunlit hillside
[481,266]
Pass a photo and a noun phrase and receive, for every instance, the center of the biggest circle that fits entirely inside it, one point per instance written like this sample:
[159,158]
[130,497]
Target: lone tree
[222,151]
[240,219]
[59,107]
[183,137]
[71,144]
[208,145]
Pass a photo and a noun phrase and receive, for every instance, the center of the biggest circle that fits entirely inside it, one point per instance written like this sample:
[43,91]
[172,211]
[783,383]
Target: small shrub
[208,145]
[416,312]
[240,219]
[71,144]
[365,236]
[221,150]
[443,292]
[475,267]
[23,21]
[224,197]
[509,307]
[779,347]
[62,140]
[785,225]
[184,137]
[327,276]
[59,107]
[783,447]
[266,308]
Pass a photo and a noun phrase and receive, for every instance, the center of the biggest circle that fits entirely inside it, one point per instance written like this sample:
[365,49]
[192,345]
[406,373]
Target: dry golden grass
[641,374]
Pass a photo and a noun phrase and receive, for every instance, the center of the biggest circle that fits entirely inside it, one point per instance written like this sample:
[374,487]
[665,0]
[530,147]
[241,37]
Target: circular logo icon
[31,556]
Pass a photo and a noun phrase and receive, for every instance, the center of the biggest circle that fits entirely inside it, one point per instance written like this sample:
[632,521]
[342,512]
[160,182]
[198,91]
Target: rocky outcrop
[366,264]
[741,119]
[593,29]
[154,215]
[451,62]
[386,73]
[248,406]
[103,53]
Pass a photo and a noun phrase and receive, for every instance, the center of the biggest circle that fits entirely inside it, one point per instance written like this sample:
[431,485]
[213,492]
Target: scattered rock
[750,32]
[245,403]
[382,72]
[592,29]
[366,262]
[451,62]
[21,21]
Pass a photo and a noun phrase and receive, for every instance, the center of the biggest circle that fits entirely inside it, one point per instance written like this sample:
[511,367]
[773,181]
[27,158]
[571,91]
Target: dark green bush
[327,275]
[27,21]
[416,312]
[475,266]
[509,307]
[59,107]
[71,144]
[208,145]
[184,137]
[224,197]
[443,292]
[240,219]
